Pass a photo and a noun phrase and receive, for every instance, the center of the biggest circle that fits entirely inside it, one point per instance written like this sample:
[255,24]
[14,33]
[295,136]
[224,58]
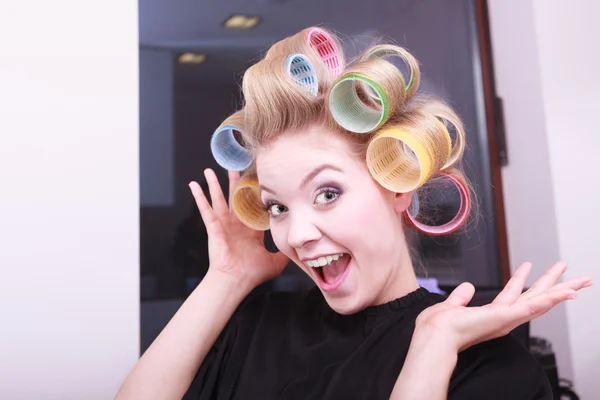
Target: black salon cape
[294,346]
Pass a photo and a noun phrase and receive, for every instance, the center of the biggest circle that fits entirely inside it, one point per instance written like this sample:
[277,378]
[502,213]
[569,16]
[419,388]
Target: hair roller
[403,156]
[457,221]
[384,50]
[441,144]
[348,104]
[413,207]
[327,48]
[459,146]
[275,97]
[398,160]
[317,44]
[302,70]
[226,149]
[447,117]
[247,204]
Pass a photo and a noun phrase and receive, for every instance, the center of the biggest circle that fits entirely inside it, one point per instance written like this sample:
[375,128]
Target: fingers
[546,281]
[578,283]
[216,194]
[462,295]
[207,213]
[234,178]
[514,287]
[536,306]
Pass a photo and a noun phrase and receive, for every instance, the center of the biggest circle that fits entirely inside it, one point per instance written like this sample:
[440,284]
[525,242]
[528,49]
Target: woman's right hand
[235,250]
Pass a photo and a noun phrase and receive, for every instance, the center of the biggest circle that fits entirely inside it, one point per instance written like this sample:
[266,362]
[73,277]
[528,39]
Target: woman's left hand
[462,327]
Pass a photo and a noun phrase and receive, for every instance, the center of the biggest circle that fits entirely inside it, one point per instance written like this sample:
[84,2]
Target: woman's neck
[402,279]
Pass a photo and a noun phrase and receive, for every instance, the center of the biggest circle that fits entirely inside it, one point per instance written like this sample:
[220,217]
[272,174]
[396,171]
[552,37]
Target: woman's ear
[402,201]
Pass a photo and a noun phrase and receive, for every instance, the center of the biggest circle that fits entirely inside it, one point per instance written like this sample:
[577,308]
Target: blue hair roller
[226,150]
[300,68]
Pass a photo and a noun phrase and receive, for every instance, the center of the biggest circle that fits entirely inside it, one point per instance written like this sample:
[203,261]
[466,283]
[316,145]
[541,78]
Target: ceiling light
[239,21]
[191,58]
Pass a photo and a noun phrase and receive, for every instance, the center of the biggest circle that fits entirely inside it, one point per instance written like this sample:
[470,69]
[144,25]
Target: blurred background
[106,114]
[191,64]
[192,58]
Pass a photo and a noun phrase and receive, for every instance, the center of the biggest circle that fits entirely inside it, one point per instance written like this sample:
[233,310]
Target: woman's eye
[276,209]
[326,196]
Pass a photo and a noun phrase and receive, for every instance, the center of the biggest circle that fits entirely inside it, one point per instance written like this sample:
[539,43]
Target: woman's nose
[302,231]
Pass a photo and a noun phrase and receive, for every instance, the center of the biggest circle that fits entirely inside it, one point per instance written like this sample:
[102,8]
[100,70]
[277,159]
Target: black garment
[294,346]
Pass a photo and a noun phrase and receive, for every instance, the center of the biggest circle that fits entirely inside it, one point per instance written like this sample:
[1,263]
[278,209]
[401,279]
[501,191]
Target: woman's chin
[347,300]
[342,295]
[346,305]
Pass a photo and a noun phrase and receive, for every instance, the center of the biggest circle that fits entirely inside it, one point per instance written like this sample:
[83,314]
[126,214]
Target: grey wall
[157,159]
[172,228]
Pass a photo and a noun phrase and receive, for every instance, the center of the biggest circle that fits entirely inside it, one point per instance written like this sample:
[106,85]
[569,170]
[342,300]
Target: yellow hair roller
[393,166]
[248,206]
[401,158]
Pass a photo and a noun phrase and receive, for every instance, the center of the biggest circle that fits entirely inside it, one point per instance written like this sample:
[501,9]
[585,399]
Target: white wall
[527,182]
[69,299]
[546,72]
[568,35]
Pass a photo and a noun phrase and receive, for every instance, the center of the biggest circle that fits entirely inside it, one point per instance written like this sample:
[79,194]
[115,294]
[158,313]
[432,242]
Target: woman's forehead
[301,151]
[299,143]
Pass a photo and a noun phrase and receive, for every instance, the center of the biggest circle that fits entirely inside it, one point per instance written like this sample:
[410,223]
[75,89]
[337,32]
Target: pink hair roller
[322,43]
[451,226]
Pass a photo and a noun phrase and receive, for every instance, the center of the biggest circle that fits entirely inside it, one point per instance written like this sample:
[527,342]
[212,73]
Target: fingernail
[588,283]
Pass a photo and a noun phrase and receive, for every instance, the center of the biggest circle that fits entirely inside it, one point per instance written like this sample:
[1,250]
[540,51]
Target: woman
[334,158]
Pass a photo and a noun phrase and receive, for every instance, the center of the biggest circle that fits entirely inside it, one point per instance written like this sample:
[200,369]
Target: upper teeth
[321,261]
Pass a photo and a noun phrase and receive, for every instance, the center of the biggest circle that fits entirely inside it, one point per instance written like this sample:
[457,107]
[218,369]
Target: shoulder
[499,369]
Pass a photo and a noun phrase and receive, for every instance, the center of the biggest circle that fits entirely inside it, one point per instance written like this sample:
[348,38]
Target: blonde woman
[333,158]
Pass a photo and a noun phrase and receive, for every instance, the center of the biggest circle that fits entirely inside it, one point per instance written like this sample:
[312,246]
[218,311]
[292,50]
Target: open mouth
[331,271]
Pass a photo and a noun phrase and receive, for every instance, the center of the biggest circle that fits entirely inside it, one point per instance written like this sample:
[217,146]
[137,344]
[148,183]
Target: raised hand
[465,326]
[234,249]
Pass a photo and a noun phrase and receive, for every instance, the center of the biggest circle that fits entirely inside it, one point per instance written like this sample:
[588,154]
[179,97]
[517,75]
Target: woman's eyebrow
[308,177]
[262,188]
[316,172]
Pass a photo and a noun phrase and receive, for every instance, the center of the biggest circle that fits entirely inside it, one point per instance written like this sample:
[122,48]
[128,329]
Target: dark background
[182,104]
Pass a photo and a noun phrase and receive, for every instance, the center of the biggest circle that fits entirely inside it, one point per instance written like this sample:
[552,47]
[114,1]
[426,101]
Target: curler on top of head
[350,105]
[302,70]
[327,49]
[226,149]
[320,47]
[384,51]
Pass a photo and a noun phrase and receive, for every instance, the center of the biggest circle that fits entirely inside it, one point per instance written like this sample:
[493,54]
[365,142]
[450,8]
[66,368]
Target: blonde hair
[403,137]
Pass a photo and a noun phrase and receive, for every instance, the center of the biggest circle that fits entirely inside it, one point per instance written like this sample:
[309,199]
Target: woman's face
[333,220]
